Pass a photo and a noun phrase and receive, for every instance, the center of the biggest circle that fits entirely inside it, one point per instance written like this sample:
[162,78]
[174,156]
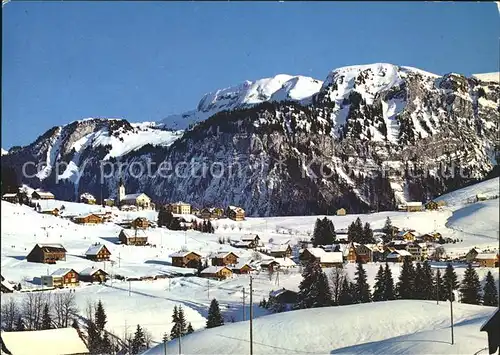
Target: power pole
[278,277]
[251,317]
[243,304]
[451,315]
[165,346]
[437,288]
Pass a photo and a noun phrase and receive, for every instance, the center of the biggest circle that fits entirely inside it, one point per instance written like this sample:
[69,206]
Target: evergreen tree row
[358,233]
[324,232]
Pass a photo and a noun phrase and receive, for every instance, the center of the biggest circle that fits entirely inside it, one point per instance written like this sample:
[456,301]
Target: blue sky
[63,61]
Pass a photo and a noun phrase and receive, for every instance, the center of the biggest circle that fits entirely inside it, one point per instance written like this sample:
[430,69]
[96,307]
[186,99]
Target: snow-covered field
[150,303]
[392,327]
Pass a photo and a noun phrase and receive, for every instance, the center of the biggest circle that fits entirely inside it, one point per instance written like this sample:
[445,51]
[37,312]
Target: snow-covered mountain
[281,87]
[367,137]
[4,152]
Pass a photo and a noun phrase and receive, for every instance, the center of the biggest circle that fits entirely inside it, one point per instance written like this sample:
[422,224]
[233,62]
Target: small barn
[235,213]
[46,253]
[341,212]
[140,223]
[487,259]
[9,197]
[98,252]
[42,195]
[281,251]
[133,237]
[222,259]
[241,268]
[188,259]
[92,274]
[217,272]
[431,205]
[90,218]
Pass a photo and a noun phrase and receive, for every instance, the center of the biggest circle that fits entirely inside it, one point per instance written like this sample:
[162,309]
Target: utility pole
[165,346]
[251,316]
[451,315]
[129,287]
[278,277]
[243,304]
[437,288]
[119,260]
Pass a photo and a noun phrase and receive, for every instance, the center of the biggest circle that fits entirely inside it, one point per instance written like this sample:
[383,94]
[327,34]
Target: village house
[12,198]
[92,274]
[51,211]
[185,259]
[377,251]
[46,253]
[414,206]
[416,251]
[42,195]
[359,253]
[5,286]
[398,244]
[342,238]
[471,255]
[325,259]
[235,213]
[284,297]
[253,239]
[487,259]
[87,198]
[109,202]
[406,235]
[63,277]
[140,222]
[139,200]
[133,237]
[397,256]
[217,272]
[62,341]
[492,327]
[97,252]
[179,208]
[431,205]
[211,213]
[88,219]
[269,265]
[223,259]
[341,212]
[281,251]
[241,268]
[430,237]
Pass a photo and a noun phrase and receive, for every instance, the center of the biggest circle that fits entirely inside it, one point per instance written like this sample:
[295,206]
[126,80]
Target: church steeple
[121,191]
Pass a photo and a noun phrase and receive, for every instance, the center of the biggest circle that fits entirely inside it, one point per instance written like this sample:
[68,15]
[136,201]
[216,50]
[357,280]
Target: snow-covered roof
[61,272]
[180,203]
[8,285]
[276,293]
[44,193]
[249,237]
[90,271]
[279,248]
[397,253]
[242,243]
[94,249]
[131,233]
[87,215]
[9,195]
[45,342]
[240,264]
[130,197]
[413,204]
[332,257]
[87,196]
[236,209]
[317,252]
[48,245]
[213,269]
[403,233]
[222,255]
[486,256]
[181,254]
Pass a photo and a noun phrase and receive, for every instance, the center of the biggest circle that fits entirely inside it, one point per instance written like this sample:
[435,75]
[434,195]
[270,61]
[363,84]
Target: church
[140,200]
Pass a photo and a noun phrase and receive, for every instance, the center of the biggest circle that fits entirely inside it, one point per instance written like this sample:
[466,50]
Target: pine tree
[450,278]
[490,292]
[346,293]
[367,234]
[20,324]
[317,233]
[355,231]
[387,230]
[470,288]
[190,328]
[100,317]
[379,288]
[46,320]
[418,280]
[182,321]
[389,293]
[314,290]
[427,282]
[362,289]
[165,337]
[405,283]
[214,318]
[139,341]
[93,338]
[105,343]
[174,333]
[75,324]
[439,287]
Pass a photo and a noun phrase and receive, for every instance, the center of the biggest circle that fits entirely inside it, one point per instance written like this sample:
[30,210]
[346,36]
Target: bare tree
[232,227]
[256,256]
[90,310]
[9,314]
[148,338]
[336,277]
[64,308]
[32,310]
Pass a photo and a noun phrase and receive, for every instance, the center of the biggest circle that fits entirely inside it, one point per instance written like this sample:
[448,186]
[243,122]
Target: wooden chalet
[492,327]
[9,197]
[281,251]
[252,240]
[188,259]
[92,274]
[211,213]
[414,206]
[133,237]
[431,205]
[241,268]
[325,259]
[341,212]
[88,199]
[51,211]
[217,272]
[471,255]
[397,256]
[140,223]
[223,259]
[269,265]
[61,278]
[359,253]
[97,252]
[284,297]
[406,235]
[42,195]
[430,237]
[46,253]
[235,213]
[90,218]
[487,259]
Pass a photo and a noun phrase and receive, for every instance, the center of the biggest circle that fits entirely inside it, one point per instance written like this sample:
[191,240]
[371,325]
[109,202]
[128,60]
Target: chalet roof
[403,233]
[94,249]
[222,255]
[332,257]
[180,203]
[236,209]
[141,219]
[44,342]
[397,253]
[7,285]
[90,271]
[242,243]
[9,195]
[413,204]
[87,196]
[214,269]
[486,256]
[240,265]
[44,194]
[49,209]
[182,254]
[279,248]
[268,262]
[51,247]
[317,252]
[249,237]
[131,233]
[277,293]
[130,197]
[61,271]
[87,215]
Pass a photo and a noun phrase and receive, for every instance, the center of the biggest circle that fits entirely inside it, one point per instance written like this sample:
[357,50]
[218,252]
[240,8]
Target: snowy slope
[278,88]
[335,329]
[488,77]
[4,152]
[460,197]
[480,219]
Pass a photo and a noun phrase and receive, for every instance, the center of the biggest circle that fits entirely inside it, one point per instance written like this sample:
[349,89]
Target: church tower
[121,192]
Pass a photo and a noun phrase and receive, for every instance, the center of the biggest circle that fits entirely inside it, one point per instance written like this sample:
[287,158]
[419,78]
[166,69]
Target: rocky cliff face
[370,137]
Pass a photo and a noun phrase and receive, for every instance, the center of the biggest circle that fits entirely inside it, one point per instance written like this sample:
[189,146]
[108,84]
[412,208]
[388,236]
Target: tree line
[324,232]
